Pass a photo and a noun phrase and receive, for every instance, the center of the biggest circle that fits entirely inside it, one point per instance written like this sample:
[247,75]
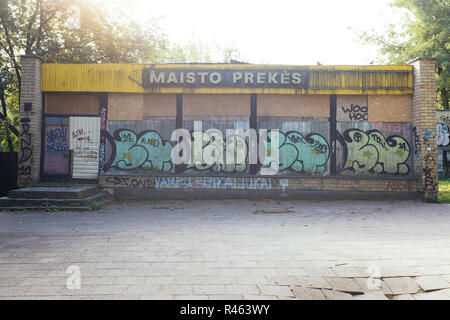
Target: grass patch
[95,205]
[50,207]
[444,191]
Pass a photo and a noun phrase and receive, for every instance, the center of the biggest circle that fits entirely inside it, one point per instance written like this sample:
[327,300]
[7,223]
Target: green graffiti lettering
[146,151]
[371,152]
[300,153]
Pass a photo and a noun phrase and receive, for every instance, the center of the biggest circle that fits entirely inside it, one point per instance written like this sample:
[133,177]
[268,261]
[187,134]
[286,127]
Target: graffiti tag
[146,150]
[356,112]
[300,153]
[443,135]
[26,153]
[372,152]
[57,139]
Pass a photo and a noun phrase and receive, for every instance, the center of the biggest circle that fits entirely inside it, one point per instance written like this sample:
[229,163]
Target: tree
[9,109]
[425,31]
[80,31]
[196,51]
[93,35]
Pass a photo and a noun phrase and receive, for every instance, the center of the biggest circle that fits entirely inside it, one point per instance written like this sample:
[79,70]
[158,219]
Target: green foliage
[106,34]
[96,205]
[12,119]
[50,207]
[425,32]
[44,27]
[444,191]
[9,109]
[195,51]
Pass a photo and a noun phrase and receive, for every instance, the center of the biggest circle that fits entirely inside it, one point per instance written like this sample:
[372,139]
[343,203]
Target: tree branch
[8,135]
[10,51]
[30,37]
[41,18]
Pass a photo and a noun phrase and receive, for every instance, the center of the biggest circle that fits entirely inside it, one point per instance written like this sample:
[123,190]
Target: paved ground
[233,249]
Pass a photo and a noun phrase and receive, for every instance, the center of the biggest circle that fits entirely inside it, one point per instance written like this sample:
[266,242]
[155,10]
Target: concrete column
[424,126]
[30,121]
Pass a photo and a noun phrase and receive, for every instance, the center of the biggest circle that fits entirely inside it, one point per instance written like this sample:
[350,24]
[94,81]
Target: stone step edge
[50,200]
[43,209]
[16,194]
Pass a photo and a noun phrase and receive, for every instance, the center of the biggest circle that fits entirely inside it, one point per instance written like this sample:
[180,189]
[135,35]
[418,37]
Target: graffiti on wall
[444,119]
[213,152]
[355,112]
[440,160]
[84,140]
[80,138]
[399,186]
[56,139]
[372,152]
[146,150]
[416,141]
[429,164]
[102,148]
[300,153]
[364,152]
[26,152]
[56,160]
[443,135]
[170,182]
[56,163]
[396,128]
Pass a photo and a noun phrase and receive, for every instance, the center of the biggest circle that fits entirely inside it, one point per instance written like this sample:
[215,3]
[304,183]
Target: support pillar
[424,126]
[30,121]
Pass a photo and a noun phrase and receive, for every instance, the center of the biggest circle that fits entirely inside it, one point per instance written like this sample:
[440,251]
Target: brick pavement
[230,249]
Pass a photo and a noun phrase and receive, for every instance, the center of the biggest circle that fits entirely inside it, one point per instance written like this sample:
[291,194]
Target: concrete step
[72,192]
[76,208]
[49,204]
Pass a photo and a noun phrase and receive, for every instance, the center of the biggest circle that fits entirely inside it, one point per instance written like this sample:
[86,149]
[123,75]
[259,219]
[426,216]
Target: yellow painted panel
[322,80]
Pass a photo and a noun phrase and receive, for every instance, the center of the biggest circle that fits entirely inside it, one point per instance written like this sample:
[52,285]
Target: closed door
[85,142]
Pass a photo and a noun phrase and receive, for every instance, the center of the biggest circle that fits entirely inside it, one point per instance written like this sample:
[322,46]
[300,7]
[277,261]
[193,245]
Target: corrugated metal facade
[322,79]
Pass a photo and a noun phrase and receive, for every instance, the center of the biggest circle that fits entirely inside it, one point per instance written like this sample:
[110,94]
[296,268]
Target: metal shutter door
[84,140]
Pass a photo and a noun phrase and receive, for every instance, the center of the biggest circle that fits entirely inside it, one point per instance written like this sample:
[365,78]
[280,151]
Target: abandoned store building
[353,132]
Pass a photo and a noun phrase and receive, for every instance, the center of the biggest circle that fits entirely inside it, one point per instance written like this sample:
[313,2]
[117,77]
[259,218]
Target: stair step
[22,208]
[55,204]
[76,192]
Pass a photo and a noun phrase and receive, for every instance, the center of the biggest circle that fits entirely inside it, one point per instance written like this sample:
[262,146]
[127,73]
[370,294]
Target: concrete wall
[254,187]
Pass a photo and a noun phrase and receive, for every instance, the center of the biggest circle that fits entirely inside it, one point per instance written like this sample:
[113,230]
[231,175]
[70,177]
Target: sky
[300,32]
